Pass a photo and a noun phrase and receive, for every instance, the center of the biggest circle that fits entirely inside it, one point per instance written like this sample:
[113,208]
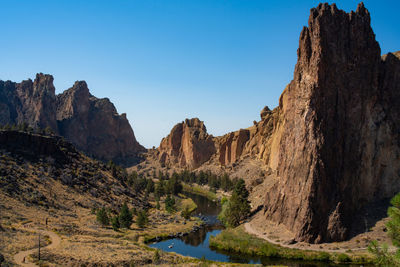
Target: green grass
[196,189]
[183,202]
[238,241]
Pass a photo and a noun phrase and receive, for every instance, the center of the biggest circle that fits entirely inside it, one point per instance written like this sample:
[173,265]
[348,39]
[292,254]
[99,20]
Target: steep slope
[336,147]
[92,124]
[48,187]
[33,167]
[332,146]
[31,102]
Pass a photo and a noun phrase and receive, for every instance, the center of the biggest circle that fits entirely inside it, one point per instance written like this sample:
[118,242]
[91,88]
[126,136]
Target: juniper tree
[125,216]
[102,217]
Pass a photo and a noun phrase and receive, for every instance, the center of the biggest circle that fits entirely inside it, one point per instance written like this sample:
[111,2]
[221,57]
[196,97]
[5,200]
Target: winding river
[195,244]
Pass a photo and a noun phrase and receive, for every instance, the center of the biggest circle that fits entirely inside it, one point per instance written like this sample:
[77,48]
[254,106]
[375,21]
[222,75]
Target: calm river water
[196,243]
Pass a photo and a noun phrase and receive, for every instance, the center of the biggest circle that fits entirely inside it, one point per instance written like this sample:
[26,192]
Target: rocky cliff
[188,145]
[336,147]
[91,124]
[332,146]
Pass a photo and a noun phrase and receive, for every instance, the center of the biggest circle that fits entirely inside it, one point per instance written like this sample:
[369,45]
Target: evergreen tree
[238,207]
[394,224]
[159,190]
[383,256]
[150,186]
[102,217]
[125,216]
[142,219]
[174,186]
[169,204]
[115,223]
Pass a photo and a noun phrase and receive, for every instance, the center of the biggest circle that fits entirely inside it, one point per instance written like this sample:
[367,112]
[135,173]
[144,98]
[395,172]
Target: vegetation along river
[196,244]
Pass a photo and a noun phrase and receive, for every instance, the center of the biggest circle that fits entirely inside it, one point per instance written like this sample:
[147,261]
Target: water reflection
[195,244]
[198,237]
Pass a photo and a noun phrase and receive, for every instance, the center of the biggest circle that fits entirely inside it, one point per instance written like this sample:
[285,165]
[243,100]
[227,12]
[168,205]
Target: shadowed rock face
[338,137]
[31,102]
[91,124]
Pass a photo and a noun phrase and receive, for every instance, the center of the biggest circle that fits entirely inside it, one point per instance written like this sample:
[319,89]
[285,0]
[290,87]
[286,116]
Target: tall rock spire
[335,148]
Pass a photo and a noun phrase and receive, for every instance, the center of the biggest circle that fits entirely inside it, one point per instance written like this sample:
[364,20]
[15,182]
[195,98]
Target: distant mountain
[330,148]
[91,124]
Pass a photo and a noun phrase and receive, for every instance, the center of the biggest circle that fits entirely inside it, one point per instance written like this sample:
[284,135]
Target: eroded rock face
[231,146]
[91,124]
[188,145]
[31,102]
[337,144]
[94,125]
[333,145]
[222,150]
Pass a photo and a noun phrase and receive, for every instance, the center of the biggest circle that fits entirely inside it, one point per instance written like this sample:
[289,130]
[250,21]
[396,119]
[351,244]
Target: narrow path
[249,229]
[19,257]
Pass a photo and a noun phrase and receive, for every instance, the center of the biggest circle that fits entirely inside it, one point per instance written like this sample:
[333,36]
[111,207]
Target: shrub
[186,213]
[323,256]
[156,257]
[342,257]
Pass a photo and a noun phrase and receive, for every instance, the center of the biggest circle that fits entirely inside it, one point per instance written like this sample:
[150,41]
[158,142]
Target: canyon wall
[333,143]
[337,143]
[91,124]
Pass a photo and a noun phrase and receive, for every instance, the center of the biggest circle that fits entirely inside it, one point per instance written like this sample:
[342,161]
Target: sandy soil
[22,259]
[280,235]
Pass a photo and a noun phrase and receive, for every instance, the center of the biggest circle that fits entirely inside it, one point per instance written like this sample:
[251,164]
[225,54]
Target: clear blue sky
[166,60]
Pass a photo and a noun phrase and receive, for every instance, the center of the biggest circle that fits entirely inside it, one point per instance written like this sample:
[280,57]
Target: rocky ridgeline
[34,166]
[91,124]
[332,145]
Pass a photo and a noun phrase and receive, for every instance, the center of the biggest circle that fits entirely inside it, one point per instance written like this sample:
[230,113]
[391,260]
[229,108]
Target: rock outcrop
[232,145]
[31,102]
[91,124]
[332,146]
[336,146]
[188,145]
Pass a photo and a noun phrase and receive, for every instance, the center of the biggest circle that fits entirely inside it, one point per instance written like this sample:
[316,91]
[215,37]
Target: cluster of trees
[25,127]
[123,219]
[215,182]
[237,208]
[170,184]
[161,188]
[383,256]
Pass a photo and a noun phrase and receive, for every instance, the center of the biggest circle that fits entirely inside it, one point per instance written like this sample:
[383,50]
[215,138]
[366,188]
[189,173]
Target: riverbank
[239,241]
[83,242]
[205,191]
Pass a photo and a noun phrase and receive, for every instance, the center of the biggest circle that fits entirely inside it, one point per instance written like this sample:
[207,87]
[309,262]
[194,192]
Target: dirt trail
[249,229]
[19,257]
